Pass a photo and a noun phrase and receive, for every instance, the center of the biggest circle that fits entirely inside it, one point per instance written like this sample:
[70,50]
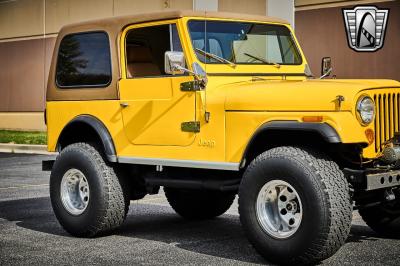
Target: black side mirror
[326,67]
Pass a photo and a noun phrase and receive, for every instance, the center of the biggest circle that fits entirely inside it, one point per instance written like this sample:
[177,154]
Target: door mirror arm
[175,63]
[326,67]
[328,72]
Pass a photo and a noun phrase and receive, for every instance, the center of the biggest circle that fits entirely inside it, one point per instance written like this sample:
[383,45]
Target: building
[28,29]
[321,32]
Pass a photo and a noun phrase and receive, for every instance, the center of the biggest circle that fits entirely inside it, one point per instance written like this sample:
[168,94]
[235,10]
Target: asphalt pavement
[151,235]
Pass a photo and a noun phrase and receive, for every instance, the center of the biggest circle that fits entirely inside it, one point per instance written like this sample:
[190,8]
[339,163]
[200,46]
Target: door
[153,105]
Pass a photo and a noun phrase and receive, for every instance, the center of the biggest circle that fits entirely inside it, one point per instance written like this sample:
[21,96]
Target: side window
[84,61]
[145,49]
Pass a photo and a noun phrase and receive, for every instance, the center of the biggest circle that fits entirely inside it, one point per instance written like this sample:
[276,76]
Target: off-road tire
[383,219]
[324,192]
[107,207]
[199,204]
[125,180]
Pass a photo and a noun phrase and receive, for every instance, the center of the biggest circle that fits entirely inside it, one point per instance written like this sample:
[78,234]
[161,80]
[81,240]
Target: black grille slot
[387,120]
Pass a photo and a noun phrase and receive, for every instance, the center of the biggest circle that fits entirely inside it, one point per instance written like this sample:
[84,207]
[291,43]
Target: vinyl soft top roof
[113,26]
[122,21]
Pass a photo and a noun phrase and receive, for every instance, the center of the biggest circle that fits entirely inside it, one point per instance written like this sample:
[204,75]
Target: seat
[140,62]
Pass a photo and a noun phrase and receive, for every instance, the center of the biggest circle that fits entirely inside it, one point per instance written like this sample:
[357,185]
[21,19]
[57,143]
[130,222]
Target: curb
[25,148]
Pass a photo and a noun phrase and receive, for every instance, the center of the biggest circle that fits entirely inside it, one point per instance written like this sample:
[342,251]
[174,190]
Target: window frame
[244,63]
[85,86]
[124,70]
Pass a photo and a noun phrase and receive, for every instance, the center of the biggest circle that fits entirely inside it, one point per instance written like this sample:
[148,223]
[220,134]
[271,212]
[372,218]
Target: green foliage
[68,57]
[22,137]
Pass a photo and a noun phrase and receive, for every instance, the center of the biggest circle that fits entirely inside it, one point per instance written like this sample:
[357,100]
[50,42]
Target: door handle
[124,104]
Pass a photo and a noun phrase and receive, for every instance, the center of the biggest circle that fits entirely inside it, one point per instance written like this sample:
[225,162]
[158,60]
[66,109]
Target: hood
[306,95]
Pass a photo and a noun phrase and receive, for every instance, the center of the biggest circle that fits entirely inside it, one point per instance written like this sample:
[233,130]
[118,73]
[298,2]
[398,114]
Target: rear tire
[384,218]
[320,206]
[199,204]
[106,203]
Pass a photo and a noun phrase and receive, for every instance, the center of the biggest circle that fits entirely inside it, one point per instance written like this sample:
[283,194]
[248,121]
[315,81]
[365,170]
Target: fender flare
[100,129]
[327,132]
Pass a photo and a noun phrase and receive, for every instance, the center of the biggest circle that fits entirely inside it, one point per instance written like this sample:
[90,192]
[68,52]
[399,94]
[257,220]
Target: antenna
[171,44]
[206,113]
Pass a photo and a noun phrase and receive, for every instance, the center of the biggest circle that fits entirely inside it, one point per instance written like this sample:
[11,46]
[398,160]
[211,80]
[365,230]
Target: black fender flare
[327,132]
[102,132]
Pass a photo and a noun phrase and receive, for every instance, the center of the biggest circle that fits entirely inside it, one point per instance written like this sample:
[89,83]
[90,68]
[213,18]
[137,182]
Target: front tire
[86,194]
[199,204]
[295,206]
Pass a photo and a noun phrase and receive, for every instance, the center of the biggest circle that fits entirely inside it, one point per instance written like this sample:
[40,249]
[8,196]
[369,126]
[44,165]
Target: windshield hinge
[195,85]
[191,126]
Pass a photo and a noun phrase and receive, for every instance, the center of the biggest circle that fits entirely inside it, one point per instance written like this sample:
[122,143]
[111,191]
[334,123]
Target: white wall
[205,5]
[275,8]
[281,9]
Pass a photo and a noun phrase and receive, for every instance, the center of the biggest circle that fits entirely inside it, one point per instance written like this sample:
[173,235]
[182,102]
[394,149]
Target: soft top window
[84,61]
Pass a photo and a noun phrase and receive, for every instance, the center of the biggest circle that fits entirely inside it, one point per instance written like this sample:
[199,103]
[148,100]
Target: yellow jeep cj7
[210,105]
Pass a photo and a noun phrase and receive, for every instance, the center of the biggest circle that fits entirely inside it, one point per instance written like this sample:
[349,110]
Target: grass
[22,137]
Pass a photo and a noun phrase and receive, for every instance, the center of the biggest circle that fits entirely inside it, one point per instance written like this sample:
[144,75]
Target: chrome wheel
[74,192]
[278,209]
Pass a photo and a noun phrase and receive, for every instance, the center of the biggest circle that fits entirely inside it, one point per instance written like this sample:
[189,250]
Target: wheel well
[77,132]
[88,130]
[343,154]
[274,138]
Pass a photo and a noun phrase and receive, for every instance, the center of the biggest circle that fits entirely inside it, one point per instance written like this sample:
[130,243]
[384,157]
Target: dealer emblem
[366,26]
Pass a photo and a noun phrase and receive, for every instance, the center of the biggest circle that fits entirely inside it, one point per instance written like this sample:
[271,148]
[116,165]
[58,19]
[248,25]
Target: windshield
[243,43]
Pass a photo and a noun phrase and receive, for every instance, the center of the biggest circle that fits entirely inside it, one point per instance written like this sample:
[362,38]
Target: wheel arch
[91,129]
[275,133]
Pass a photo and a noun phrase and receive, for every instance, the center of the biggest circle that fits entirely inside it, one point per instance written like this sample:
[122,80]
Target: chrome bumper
[383,180]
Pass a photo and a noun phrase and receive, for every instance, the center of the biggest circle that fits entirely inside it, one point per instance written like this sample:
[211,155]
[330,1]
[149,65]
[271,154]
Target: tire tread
[335,189]
[114,213]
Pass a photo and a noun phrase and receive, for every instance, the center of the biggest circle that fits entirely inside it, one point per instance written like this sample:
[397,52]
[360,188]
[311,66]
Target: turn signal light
[312,119]
[369,133]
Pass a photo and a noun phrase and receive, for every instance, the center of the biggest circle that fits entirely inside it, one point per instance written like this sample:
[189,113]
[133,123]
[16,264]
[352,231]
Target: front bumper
[383,180]
[372,179]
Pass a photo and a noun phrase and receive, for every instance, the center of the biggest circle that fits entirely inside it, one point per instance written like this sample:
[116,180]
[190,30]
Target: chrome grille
[387,117]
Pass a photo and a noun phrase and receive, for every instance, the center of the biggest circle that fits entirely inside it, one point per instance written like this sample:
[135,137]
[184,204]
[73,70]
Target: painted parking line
[162,201]
[24,186]
[151,200]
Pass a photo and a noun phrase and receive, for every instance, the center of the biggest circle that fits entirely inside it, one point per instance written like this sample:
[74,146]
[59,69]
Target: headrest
[139,54]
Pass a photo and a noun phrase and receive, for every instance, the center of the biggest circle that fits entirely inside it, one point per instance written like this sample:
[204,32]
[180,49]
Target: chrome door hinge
[195,85]
[191,126]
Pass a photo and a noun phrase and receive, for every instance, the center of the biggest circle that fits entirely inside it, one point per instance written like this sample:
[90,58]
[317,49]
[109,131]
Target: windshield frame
[293,39]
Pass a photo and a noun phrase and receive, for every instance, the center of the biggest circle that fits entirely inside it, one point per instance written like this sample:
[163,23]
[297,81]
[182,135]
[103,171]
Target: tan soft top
[122,21]
[113,27]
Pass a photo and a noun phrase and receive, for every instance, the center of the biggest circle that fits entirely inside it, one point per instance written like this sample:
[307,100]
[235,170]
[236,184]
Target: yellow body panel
[238,105]
[60,113]
[237,141]
[154,106]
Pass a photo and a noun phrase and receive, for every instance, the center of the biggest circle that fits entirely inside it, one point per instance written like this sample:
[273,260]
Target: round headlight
[365,110]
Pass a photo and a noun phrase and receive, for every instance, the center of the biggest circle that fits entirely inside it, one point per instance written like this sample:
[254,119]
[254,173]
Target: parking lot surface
[151,235]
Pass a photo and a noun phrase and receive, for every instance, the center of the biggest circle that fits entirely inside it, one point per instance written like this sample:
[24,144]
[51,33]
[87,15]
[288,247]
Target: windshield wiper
[216,57]
[263,60]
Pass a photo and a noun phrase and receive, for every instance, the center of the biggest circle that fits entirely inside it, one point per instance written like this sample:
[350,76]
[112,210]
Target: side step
[221,185]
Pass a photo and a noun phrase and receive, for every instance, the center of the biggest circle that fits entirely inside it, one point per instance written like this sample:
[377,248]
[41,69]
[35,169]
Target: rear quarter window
[84,61]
